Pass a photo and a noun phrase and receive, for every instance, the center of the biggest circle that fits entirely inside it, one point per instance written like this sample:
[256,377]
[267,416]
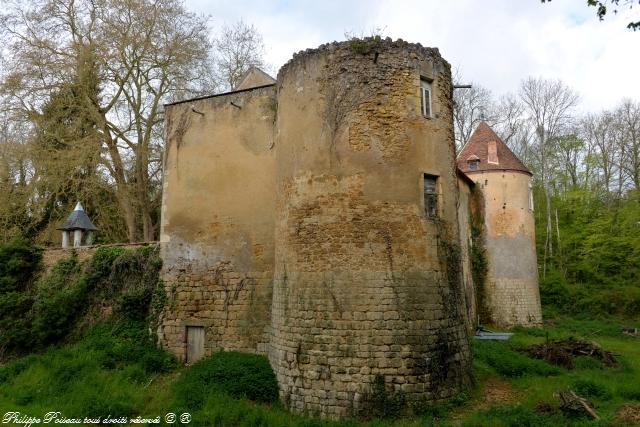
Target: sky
[493,43]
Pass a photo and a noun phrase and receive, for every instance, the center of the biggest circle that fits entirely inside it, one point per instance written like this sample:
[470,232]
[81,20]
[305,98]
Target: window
[492,154]
[530,197]
[430,196]
[425,97]
[473,165]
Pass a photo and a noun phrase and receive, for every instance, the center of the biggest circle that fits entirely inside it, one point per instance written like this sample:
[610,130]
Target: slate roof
[477,148]
[77,220]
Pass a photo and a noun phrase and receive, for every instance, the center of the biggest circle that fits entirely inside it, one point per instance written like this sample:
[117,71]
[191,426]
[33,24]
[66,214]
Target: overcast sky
[494,43]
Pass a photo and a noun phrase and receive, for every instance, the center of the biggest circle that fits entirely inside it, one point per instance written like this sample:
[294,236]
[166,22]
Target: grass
[114,370]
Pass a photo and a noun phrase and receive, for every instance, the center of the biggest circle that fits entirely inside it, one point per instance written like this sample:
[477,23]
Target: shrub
[590,388]
[99,269]
[382,403]
[586,362]
[19,263]
[510,363]
[239,375]
[514,416]
[59,300]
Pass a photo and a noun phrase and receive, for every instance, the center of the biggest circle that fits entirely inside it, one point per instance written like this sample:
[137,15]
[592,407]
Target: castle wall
[511,289]
[464,221]
[364,283]
[218,220]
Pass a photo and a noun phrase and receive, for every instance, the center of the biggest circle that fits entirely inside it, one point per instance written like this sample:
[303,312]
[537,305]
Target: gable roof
[77,220]
[254,77]
[477,148]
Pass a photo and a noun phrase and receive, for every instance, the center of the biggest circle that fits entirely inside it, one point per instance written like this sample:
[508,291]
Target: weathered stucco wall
[364,283]
[511,289]
[464,222]
[217,232]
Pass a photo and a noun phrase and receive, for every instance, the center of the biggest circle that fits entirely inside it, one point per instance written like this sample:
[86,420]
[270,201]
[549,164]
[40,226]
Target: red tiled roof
[478,146]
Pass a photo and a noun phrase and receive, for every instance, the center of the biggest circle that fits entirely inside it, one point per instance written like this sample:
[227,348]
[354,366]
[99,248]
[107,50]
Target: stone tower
[366,278]
[315,219]
[510,295]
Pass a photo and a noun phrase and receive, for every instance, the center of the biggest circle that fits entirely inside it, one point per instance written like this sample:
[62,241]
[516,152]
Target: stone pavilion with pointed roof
[79,223]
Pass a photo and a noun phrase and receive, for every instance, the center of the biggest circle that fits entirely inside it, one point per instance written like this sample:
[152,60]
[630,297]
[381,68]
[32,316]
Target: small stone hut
[80,225]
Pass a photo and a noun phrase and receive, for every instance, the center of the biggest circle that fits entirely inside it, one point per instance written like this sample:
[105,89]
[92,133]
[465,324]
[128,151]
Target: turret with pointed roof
[490,152]
[510,294]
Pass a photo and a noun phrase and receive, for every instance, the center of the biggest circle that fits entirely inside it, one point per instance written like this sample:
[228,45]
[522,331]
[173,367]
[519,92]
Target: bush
[19,263]
[59,300]
[239,375]
[510,363]
[518,416]
[382,403]
[590,388]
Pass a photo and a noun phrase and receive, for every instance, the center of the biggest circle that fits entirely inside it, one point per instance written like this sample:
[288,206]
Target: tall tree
[238,47]
[548,107]
[628,114]
[146,52]
[470,107]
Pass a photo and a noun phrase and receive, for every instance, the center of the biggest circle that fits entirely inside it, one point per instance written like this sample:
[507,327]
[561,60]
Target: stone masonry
[295,225]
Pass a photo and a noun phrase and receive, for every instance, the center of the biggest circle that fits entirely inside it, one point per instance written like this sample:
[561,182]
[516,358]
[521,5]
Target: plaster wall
[464,223]
[511,289]
[218,211]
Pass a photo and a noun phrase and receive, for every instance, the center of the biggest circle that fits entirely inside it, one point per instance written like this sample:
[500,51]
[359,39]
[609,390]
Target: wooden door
[195,343]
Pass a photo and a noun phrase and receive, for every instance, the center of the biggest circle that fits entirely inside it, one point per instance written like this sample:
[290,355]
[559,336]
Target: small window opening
[430,196]
[425,97]
[530,197]
[473,165]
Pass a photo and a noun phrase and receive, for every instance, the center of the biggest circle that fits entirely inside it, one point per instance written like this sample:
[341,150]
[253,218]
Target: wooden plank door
[195,343]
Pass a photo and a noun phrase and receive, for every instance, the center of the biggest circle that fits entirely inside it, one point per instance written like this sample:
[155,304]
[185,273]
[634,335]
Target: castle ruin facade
[321,219]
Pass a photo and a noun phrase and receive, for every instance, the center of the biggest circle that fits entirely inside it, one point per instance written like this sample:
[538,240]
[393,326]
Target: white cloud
[495,43]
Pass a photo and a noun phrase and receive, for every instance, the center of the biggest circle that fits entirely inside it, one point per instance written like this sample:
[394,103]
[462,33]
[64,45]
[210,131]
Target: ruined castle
[322,219]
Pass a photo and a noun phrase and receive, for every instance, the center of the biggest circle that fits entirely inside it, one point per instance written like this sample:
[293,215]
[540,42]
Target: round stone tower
[510,295]
[367,285]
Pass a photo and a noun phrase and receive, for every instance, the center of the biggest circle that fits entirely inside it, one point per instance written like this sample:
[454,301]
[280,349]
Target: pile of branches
[562,352]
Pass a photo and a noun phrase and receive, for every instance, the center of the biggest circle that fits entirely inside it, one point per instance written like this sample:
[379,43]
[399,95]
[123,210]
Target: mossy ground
[112,371]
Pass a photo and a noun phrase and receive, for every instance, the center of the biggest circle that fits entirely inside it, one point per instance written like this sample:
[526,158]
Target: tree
[628,114]
[238,47]
[470,107]
[146,52]
[548,105]
[601,9]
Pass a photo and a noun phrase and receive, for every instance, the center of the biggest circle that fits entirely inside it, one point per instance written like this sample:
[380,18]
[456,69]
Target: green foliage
[518,416]
[60,299]
[19,262]
[478,253]
[50,310]
[382,403]
[364,45]
[102,374]
[510,363]
[595,269]
[239,375]
[590,388]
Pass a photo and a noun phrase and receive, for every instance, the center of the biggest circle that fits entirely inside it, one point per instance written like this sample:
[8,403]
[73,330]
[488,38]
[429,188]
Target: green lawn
[110,372]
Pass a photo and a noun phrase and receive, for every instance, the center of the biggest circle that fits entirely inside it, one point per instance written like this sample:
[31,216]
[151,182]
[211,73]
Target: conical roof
[77,220]
[490,152]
